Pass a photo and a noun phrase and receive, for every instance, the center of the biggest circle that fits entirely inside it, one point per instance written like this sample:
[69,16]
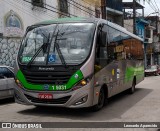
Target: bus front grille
[62,100]
[56,78]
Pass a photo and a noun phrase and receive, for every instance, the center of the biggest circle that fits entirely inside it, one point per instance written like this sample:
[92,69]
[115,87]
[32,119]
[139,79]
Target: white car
[6,82]
[152,70]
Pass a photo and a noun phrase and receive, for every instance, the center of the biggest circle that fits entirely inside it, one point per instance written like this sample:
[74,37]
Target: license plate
[45,96]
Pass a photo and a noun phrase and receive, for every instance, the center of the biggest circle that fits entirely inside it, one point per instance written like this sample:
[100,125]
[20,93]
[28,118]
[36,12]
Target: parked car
[152,70]
[6,82]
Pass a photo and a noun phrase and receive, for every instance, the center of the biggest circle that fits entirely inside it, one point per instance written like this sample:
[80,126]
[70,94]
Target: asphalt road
[142,106]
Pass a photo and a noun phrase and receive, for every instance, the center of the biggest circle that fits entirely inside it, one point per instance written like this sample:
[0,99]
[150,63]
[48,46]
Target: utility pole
[134,16]
[103,9]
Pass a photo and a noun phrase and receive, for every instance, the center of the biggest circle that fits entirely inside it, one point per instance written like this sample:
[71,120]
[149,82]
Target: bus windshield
[57,44]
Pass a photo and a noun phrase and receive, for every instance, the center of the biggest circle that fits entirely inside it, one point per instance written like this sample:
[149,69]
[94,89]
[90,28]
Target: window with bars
[40,3]
[63,6]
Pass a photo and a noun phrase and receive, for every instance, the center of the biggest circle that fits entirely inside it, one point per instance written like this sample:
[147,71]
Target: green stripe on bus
[72,81]
[133,71]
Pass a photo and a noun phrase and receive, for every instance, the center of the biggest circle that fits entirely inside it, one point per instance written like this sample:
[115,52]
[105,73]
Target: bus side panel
[113,75]
[140,71]
[119,75]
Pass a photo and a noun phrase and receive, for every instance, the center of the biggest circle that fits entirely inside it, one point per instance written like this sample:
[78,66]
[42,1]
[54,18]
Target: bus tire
[101,100]
[132,89]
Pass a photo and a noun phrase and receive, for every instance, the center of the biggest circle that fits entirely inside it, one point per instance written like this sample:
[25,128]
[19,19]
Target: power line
[59,12]
[81,9]
[157,7]
[82,5]
[29,12]
[21,2]
[89,3]
[22,10]
[152,6]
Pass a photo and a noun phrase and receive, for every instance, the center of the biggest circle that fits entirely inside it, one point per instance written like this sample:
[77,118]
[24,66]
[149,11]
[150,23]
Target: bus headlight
[18,83]
[82,83]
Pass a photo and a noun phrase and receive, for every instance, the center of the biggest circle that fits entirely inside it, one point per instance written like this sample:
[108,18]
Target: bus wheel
[132,89]
[101,101]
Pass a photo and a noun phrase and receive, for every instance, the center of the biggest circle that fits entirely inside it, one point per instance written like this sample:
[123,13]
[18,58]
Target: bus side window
[113,38]
[101,51]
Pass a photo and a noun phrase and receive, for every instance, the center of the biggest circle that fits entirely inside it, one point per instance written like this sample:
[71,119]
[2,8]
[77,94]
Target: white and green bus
[77,62]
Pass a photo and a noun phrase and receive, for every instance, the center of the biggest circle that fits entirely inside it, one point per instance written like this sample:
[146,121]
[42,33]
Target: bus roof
[124,30]
[68,20]
[91,20]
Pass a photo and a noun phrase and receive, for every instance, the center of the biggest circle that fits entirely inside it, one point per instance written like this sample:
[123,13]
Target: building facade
[155,22]
[148,45]
[115,11]
[16,15]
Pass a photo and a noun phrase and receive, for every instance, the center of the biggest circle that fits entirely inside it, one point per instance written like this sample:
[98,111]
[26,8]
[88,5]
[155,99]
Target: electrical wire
[81,9]
[59,12]
[154,6]
[47,9]
[157,8]
[29,7]
[22,10]
[82,5]
[89,3]
[151,5]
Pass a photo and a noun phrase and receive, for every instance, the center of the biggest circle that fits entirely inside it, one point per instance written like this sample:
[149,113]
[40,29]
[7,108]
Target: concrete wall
[128,24]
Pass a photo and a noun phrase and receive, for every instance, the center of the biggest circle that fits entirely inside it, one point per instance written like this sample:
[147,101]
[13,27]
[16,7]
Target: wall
[8,50]
[87,11]
[115,18]
[128,24]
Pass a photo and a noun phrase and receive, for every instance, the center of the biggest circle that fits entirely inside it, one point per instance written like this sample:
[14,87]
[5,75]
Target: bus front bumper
[82,97]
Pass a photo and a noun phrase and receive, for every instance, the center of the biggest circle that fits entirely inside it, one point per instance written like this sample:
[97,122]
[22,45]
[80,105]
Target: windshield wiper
[58,49]
[43,47]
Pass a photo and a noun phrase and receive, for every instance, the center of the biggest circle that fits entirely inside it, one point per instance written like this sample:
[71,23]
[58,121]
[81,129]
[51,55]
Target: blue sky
[148,9]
